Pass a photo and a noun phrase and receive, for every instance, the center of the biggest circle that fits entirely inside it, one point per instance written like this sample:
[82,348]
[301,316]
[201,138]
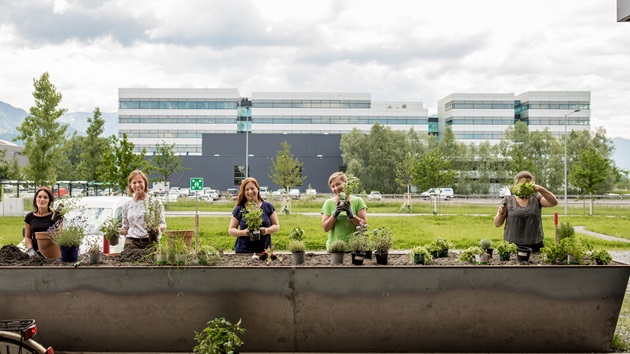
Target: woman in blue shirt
[250,192]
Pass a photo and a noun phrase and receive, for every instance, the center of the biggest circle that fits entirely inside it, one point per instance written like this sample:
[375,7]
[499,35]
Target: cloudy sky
[395,49]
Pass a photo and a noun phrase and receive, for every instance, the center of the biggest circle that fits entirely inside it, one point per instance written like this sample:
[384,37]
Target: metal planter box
[322,309]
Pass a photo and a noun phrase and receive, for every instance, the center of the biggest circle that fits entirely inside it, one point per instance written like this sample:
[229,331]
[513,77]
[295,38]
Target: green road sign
[196,184]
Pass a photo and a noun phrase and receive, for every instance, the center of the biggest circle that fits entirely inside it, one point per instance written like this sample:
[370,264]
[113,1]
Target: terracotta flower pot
[47,246]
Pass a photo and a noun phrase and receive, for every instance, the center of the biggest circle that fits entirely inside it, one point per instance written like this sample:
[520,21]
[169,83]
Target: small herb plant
[253,216]
[208,255]
[439,247]
[600,256]
[421,251]
[269,256]
[70,233]
[350,187]
[554,253]
[297,234]
[358,243]
[468,255]
[565,230]
[485,244]
[295,246]
[381,239]
[338,246]
[574,247]
[524,189]
[505,247]
[111,228]
[220,336]
[94,246]
[152,214]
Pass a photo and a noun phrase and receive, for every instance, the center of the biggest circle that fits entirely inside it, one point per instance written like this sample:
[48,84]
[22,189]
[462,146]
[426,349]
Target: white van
[443,192]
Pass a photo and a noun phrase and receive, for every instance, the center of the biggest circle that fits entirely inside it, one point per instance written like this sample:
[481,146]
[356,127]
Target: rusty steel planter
[312,309]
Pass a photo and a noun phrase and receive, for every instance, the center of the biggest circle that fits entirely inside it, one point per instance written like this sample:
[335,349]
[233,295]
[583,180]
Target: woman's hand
[502,210]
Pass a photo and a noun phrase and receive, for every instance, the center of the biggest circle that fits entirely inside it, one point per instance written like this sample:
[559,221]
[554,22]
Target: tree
[67,166]
[432,170]
[164,163]
[4,165]
[286,170]
[93,147]
[590,173]
[119,161]
[43,135]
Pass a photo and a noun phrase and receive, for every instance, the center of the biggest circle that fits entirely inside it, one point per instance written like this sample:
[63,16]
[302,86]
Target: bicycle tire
[10,344]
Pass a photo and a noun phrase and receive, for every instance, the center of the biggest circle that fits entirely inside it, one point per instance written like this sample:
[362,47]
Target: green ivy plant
[220,336]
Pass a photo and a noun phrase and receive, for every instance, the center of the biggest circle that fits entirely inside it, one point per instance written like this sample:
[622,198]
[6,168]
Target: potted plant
[337,250]
[268,255]
[207,255]
[486,245]
[68,236]
[111,230]
[474,254]
[296,245]
[359,243]
[600,256]
[179,251]
[504,249]
[574,248]
[253,218]
[420,255]
[161,253]
[152,217]
[220,336]
[382,242]
[94,251]
[553,253]
[439,247]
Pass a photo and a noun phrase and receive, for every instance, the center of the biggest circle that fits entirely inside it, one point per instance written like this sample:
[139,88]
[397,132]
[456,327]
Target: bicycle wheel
[10,344]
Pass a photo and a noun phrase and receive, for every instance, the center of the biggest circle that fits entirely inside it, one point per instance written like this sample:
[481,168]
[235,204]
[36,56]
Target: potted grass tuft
[337,249]
[382,241]
[296,245]
[68,236]
[219,337]
[179,251]
[161,253]
[94,251]
[420,255]
[504,249]
[253,218]
[486,245]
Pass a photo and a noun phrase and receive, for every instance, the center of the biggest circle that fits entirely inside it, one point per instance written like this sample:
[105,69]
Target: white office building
[181,116]
[479,117]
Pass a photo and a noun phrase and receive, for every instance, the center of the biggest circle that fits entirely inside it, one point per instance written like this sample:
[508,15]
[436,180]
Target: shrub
[296,246]
[338,246]
[219,336]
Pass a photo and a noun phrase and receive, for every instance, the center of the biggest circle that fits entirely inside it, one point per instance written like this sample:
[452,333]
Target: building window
[239,174]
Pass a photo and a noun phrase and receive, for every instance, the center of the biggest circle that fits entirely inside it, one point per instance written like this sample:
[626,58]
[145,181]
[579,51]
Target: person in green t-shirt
[341,217]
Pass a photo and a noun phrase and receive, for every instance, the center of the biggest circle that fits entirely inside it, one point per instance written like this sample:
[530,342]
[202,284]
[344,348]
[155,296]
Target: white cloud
[397,50]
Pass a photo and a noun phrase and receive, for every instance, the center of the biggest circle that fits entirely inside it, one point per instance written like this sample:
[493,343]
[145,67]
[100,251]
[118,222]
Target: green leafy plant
[358,243]
[565,230]
[180,253]
[524,189]
[485,244]
[574,247]
[439,247]
[269,255]
[69,233]
[553,253]
[600,256]
[421,251]
[253,216]
[350,187]
[111,228]
[468,255]
[504,247]
[296,246]
[220,336]
[381,238]
[338,246]
[152,214]
[296,234]
[162,252]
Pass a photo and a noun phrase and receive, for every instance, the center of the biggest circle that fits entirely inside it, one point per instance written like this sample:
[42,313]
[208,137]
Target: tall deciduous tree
[43,135]
[165,163]
[286,169]
[432,170]
[120,160]
[590,173]
[94,146]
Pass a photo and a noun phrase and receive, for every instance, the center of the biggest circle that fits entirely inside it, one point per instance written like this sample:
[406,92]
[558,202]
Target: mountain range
[11,117]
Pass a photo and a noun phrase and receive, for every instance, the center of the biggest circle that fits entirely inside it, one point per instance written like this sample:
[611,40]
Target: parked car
[212,194]
[294,193]
[445,193]
[374,195]
[278,193]
[173,196]
[311,192]
[96,210]
[264,192]
[231,194]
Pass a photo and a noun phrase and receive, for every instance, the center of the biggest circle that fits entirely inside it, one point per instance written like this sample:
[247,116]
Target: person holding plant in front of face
[38,220]
[133,212]
[341,214]
[250,200]
[521,212]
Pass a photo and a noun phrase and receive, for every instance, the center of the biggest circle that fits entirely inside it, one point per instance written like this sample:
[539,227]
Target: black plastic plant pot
[504,257]
[381,258]
[254,235]
[357,258]
[418,259]
[523,253]
[444,254]
[489,251]
[368,254]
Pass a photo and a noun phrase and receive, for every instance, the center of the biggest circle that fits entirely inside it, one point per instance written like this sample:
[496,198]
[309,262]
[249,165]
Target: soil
[10,255]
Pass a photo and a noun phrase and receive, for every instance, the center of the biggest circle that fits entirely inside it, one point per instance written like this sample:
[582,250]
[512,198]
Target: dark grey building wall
[221,152]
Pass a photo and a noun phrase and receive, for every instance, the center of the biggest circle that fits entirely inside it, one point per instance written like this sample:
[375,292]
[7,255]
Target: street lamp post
[566,180]
[247,142]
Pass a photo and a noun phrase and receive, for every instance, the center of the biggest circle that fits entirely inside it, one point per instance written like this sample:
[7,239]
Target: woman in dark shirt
[250,192]
[38,220]
[523,216]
